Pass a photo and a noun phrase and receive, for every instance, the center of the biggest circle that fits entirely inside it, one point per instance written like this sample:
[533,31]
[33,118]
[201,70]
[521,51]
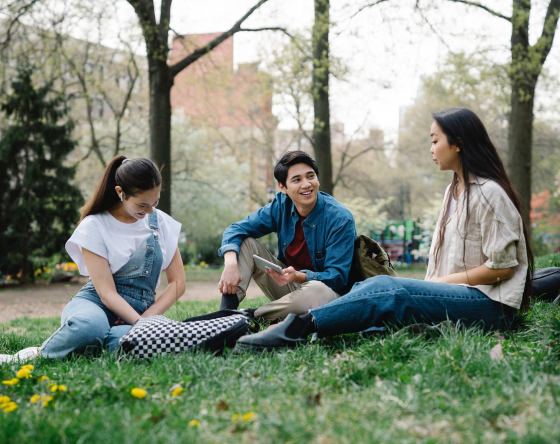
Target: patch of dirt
[35,301]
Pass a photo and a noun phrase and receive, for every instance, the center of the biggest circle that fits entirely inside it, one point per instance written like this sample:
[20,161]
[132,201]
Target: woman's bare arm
[102,278]
[481,275]
[175,288]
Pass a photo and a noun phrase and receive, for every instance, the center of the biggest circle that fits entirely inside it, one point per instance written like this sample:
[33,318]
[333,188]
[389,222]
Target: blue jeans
[382,300]
[85,323]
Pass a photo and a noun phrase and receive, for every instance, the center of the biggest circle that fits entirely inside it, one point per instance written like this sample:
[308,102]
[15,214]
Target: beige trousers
[291,298]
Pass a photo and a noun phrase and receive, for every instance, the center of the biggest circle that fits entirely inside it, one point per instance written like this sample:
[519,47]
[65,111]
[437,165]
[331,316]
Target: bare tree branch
[18,14]
[194,56]
[481,6]
[369,5]
[284,30]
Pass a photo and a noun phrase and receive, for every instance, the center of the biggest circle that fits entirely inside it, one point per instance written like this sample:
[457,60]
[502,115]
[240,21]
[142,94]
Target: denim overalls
[85,319]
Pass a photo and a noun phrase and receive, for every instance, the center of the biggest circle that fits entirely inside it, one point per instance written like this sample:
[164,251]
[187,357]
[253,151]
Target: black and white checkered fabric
[158,335]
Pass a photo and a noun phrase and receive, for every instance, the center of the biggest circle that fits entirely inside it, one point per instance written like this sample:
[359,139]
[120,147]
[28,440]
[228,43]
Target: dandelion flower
[46,400]
[194,423]
[12,381]
[4,399]
[249,416]
[35,398]
[138,392]
[23,373]
[177,391]
[235,417]
[28,366]
[43,378]
[62,388]
[10,407]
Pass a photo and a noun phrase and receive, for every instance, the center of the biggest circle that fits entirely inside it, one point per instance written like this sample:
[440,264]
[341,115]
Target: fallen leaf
[222,405]
[496,353]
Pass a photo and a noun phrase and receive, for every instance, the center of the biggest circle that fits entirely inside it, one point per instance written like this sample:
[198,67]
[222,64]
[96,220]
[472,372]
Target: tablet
[263,263]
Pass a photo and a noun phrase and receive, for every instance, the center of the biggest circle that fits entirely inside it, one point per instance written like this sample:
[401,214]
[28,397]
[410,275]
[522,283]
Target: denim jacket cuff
[309,275]
[228,247]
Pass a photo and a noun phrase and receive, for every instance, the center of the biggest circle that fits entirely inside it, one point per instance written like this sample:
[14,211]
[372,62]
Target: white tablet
[263,263]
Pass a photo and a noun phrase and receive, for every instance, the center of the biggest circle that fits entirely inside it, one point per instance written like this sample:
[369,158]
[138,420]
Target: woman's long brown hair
[480,159]
[132,176]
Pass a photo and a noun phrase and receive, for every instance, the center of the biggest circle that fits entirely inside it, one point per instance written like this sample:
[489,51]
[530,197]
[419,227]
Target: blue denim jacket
[329,231]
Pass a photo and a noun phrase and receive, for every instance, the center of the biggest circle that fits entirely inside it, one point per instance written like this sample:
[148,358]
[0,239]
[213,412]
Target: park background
[215,92]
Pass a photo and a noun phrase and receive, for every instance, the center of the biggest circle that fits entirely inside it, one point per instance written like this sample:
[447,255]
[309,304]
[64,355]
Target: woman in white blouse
[123,243]
[479,262]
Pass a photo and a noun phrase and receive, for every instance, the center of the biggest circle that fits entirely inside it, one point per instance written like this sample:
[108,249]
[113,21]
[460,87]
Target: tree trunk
[161,82]
[523,82]
[520,148]
[320,88]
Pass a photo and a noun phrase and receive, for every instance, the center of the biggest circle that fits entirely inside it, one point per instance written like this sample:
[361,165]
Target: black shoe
[276,338]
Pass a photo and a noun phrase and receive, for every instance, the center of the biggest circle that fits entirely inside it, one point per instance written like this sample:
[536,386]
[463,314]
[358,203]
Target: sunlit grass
[341,390]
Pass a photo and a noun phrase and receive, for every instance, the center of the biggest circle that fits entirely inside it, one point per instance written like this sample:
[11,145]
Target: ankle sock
[301,326]
[229,302]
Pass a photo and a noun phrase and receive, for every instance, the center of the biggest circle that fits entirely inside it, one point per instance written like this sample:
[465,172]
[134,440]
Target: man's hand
[288,275]
[230,276]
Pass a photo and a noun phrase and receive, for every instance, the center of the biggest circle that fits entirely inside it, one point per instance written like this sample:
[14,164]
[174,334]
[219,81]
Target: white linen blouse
[494,237]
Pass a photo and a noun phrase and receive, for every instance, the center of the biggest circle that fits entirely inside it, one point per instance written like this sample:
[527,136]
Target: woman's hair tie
[125,160]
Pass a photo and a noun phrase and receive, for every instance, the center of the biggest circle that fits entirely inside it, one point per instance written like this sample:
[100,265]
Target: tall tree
[161,77]
[524,70]
[38,205]
[320,91]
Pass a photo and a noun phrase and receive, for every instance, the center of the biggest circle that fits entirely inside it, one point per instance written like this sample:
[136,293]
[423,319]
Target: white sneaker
[22,355]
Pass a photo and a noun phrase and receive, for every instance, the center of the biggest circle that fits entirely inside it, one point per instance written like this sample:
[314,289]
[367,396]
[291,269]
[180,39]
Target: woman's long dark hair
[479,158]
[132,176]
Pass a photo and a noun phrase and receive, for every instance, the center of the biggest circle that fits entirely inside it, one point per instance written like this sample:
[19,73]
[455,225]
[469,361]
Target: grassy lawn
[342,390]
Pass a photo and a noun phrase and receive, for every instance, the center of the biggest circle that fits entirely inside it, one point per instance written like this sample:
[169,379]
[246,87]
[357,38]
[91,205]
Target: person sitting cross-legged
[480,261]
[316,236]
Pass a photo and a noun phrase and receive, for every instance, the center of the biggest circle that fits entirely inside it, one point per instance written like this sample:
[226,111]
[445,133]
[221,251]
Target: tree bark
[161,82]
[320,89]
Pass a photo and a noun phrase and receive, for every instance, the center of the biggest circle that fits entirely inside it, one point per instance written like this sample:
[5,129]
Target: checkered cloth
[158,335]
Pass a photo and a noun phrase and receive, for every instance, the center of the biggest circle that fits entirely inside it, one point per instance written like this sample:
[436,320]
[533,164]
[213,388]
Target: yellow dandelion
[23,373]
[235,417]
[177,391]
[43,378]
[194,423]
[12,381]
[10,407]
[28,366]
[44,268]
[249,416]
[47,400]
[35,398]
[62,388]
[138,392]
[4,399]
[37,272]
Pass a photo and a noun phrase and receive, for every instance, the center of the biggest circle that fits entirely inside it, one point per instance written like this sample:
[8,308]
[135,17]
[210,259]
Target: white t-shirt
[117,241]
[451,207]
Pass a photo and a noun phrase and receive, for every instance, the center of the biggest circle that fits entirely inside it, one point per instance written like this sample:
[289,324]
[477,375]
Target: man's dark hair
[293,158]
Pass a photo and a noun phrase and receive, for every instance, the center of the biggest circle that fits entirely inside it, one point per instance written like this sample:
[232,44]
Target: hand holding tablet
[263,264]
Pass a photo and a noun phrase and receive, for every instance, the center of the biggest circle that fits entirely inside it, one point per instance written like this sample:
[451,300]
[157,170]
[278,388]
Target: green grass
[341,390]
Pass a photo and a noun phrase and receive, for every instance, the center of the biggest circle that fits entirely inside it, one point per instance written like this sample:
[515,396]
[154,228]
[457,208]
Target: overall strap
[153,220]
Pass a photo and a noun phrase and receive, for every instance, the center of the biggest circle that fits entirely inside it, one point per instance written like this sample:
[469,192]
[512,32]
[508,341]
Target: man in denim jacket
[316,237]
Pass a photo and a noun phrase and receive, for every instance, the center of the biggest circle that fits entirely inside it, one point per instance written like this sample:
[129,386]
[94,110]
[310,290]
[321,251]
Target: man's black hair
[293,158]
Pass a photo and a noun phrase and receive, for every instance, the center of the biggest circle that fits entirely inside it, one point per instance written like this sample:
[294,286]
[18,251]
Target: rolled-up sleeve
[256,225]
[500,230]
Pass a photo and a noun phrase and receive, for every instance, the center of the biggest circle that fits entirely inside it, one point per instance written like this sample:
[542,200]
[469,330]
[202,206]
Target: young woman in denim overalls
[124,255]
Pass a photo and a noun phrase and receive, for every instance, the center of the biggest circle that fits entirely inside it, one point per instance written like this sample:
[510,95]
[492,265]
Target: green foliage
[38,205]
